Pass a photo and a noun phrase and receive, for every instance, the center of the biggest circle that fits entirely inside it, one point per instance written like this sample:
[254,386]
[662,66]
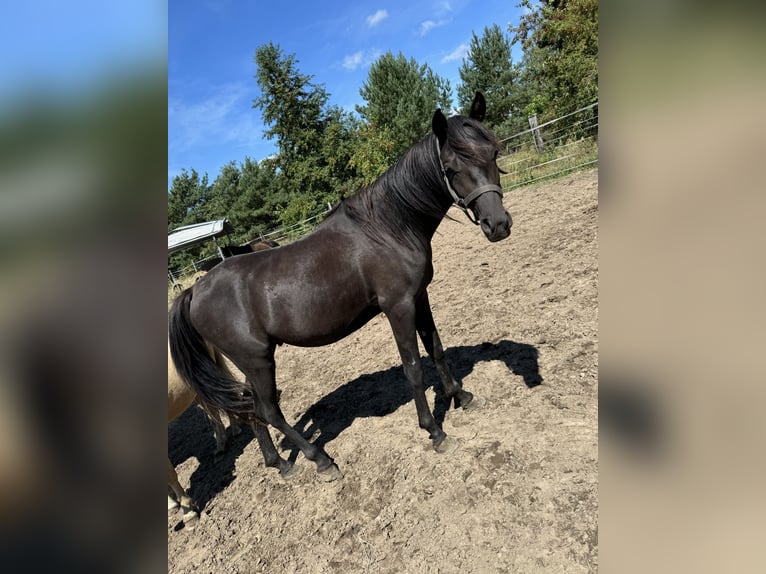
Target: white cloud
[377,18]
[457,54]
[224,116]
[428,25]
[362,58]
[352,61]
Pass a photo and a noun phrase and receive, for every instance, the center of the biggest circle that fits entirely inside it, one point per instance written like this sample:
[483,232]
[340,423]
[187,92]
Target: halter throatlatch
[465,202]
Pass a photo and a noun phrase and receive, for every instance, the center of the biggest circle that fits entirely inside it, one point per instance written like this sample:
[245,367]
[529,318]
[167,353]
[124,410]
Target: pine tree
[290,103]
[488,68]
[186,199]
[299,118]
[400,98]
[560,42]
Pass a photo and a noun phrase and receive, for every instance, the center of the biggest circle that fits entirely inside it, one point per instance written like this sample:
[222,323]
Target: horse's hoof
[288,472]
[475,404]
[447,446]
[331,473]
[191,518]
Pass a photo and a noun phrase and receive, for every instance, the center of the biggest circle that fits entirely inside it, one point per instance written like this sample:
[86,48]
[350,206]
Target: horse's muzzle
[496,229]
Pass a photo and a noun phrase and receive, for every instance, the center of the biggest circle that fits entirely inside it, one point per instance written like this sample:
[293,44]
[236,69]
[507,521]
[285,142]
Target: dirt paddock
[520,494]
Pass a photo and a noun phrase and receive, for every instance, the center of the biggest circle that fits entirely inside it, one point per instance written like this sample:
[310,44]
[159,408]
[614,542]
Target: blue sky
[62,49]
[211,69]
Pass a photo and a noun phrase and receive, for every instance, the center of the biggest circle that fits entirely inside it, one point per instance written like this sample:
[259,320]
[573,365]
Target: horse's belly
[314,327]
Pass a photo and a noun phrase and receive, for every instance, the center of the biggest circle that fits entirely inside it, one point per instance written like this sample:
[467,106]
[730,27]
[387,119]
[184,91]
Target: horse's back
[311,292]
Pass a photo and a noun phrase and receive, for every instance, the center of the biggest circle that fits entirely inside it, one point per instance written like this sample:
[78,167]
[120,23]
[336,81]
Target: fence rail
[278,234]
[551,149]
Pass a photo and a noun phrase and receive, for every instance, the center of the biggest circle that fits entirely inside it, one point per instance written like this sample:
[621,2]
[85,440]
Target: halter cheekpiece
[465,202]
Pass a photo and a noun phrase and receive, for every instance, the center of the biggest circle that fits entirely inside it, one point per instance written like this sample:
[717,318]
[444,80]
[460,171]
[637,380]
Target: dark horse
[371,254]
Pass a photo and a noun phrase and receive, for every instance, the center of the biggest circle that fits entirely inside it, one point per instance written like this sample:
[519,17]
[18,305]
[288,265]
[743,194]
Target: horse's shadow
[371,395]
[191,436]
[382,393]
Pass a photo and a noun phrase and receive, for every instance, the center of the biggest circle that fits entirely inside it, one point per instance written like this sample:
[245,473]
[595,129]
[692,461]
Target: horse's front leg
[429,335]
[402,318]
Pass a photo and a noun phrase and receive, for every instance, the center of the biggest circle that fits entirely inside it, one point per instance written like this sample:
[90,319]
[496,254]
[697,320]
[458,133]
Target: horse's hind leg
[219,432]
[180,496]
[430,337]
[269,451]
[264,385]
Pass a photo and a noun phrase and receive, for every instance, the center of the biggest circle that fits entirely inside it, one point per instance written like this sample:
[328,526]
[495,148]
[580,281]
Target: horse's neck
[426,190]
[404,205]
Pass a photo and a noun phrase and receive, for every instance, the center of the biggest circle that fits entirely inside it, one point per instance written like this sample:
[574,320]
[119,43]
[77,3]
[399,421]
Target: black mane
[411,194]
[400,199]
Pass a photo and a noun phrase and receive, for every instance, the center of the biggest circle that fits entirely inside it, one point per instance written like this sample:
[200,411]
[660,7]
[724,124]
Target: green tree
[259,201]
[400,97]
[186,199]
[223,193]
[290,103]
[313,138]
[560,43]
[374,153]
[339,142]
[488,68]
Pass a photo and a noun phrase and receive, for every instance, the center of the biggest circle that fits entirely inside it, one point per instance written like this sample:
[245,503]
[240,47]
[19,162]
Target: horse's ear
[439,126]
[478,107]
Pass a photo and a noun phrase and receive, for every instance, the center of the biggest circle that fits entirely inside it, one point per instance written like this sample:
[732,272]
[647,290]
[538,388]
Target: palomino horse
[371,254]
[180,398]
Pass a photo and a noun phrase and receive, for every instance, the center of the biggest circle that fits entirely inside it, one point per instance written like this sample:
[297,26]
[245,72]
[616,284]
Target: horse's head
[467,152]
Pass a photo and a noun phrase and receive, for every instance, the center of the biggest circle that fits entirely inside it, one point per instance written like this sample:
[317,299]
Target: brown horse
[262,245]
[371,254]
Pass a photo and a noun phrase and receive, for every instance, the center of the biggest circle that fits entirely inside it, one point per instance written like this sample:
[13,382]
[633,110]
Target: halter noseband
[465,202]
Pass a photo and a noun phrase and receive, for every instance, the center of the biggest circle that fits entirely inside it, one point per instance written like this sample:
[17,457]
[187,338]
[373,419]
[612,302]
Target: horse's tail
[205,372]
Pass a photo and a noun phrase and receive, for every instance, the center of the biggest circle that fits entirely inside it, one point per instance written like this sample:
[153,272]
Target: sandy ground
[520,494]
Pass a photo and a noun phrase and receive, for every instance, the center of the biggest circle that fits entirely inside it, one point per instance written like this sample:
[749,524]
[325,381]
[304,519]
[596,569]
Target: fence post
[536,133]
[220,251]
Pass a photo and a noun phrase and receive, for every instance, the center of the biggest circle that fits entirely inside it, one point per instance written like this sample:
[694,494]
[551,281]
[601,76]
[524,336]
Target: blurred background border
[83,189]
